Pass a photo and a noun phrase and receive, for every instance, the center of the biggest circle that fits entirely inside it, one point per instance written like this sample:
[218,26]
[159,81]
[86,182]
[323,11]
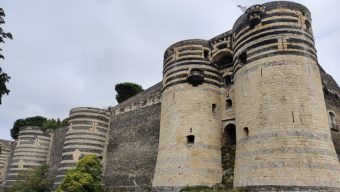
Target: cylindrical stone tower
[87,134]
[4,157]
[190,131]
[282,131]
[31,150]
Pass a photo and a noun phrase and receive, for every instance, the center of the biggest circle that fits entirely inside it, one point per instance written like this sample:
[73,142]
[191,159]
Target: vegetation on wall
[228,163]
[127,90]
[208,189]
[86,177]
[32,180]
[38,121]
[4,78]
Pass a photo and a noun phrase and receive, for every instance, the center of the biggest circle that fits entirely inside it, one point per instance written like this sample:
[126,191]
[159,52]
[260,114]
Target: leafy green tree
[86,177]
[64,122]
[32,180]
[38,121]
[4,78]
[30,121]
[127,90]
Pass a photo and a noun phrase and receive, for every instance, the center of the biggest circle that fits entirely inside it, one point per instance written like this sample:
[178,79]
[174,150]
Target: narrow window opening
[190,139]
[228,104]
[246,131]
[206,54]
[332,122]
[293,116]
[213,107]
[261,72]
[243,58]
[190,130]
[308,24]
[228,80]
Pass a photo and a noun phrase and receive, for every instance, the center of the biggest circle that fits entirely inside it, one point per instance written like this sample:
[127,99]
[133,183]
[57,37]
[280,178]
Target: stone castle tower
[250,108]
[259,85]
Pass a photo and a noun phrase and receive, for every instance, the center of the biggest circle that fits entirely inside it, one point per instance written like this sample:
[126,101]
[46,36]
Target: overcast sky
[71,53]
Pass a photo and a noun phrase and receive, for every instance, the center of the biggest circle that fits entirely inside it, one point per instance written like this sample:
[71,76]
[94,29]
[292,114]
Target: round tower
[190,129]
[87,134]
[282,131]
[31,150]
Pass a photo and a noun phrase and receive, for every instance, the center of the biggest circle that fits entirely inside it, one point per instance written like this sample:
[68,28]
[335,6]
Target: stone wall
[132,149]
[146,98]
[56,151]
[332,97]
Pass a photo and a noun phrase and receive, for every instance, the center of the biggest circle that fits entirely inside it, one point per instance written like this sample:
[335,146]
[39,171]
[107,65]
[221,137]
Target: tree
[30,121]
[86,177]
[38,121]
[127,90]
[32,180]
[4,78]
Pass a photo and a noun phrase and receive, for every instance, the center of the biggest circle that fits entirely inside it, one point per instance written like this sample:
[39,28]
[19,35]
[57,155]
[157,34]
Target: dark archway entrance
[228,154]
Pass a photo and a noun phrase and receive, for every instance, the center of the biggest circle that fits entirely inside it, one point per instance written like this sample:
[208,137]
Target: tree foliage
[127,90]
[86,177]
[38,121]
[32,180]
[4,78]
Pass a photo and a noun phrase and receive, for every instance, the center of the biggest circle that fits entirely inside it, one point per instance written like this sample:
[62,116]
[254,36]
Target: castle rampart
[249,108]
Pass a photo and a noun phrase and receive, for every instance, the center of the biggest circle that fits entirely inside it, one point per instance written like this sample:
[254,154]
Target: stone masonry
[250,108]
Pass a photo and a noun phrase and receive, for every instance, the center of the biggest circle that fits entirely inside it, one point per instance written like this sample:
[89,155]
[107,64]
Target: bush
[32,180]
[86,177]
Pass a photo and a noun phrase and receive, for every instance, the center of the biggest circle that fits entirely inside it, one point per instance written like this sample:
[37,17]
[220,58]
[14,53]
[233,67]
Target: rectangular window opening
[213,108]
[190,139]
[206,53]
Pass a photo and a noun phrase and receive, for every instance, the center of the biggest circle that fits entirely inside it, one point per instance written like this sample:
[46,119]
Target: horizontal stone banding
[185,81]
[192,63]
[206,76]
[184,60]
[295,53]
[269,33]
[267,16]
[186,69]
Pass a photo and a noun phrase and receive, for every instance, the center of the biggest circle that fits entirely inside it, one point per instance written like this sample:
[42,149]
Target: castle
[250,107]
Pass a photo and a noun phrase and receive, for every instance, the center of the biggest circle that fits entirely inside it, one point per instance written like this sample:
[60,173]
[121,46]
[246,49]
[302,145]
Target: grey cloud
[67,54]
